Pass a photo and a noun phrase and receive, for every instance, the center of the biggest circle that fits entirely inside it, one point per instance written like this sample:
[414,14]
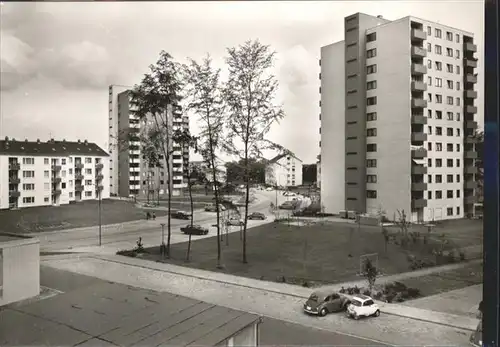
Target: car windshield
[356,302]
[313,297]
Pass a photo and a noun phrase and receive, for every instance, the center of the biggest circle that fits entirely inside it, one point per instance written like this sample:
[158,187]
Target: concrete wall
[20,270]
[123,167]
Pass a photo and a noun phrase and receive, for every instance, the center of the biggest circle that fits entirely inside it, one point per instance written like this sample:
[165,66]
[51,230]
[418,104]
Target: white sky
[57,59]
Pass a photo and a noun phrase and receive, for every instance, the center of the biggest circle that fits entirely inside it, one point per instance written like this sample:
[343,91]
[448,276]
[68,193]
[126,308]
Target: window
[439,163]
[371,178]
[46,186]
[457,101]
[429,97]
[88,182]
[429,30]
[46,199]
[88,160]
[439,194]
[458,85]
[63,185]
[429,113]
[457,38]
[449,100]
[449,68]
[439,147]
[439,179]
[429,64]
[29,161]
[449,211]
[70,171]
[439,82]
[449,178]
[429,195]
[429,80]
[70,194]
[439,66]
[371,85]
[449,131]
[457,54]
[371,147]
[429,178]
[429,130]
[88,194]
[429,162]
[439,114]
[458,162]
[70,160]
[449,36]
[46,161]
[458,208]
[439,131]
[439,99]
[371,37]
[429,47]
[46,174]
[28,174]
[458,147]
[29,200]
[371,69]
[371,163]
[458,119]
[88,171]
[371,194]
[458,69]
[449,52]
[449,116]
[63,161]
[28,186]
[429,146]
[371,53]
[438,49]
[371,132]
[458,179]
[63,173]
[371,116]
[449,83]
[449,147]
[449,162]
[371,101]
[70,183]
[437,33]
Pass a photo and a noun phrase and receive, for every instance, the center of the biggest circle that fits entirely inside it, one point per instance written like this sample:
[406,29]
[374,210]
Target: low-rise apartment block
[398,119]
[284,170]
[36,173]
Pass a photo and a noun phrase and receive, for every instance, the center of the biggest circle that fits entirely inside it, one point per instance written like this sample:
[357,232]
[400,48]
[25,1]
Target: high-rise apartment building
[397,119]
[36,173]
[133,175]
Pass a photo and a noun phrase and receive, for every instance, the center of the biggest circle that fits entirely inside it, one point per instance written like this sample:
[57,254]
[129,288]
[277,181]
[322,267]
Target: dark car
[322,303]
[181,215]
[194,230]
[257,215]
[287,205]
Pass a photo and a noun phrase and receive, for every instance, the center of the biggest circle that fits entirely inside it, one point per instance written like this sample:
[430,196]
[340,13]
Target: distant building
[35,173]
[284,170]
[309,174]
[318,172]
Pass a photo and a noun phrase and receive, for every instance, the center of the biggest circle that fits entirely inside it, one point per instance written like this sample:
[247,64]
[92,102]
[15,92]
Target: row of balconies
[14,166]
[81,165]
[470,47]
[14,180]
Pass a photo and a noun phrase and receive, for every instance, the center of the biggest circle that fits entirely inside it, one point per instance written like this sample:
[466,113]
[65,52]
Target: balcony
[419,186]
[78,188]
[471,124]
[78,177]
[469,200]
[471,94]
[15,166]
[420,120]
[419,153]
[99,166]
[470,109]
[418,103]
[417,52]
[418,170]
[56,180]
[56,167]
[470,78]
[470,63]
[14,193]
[417,34]
[418,69]
[470,140]
[56,191]
[417,86]
[14,180]
[470,155]
[418,137]
[99,177]
[470,47]
[78,165]
[470,185]
[418,203]
[470,170]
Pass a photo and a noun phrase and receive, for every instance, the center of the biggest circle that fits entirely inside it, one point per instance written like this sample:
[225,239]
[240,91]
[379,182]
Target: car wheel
[206,232]
[323,312]
[377,313]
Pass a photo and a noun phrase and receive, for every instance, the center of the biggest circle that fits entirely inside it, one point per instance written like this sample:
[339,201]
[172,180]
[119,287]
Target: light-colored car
[235,221]
[269,189]
[362,306]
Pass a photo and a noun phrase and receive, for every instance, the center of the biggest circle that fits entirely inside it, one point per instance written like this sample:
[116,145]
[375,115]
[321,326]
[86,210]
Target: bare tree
[403,225]
[153,102]
[205,100]
[249,94]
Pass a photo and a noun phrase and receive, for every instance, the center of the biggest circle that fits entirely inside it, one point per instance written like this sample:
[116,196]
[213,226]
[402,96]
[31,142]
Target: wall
[21,270]
[332,128]
[4,182]
[122,168]
[393,122]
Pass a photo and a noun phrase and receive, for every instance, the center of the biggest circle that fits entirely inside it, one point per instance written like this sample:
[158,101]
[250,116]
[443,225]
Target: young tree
[205,100]
[249,94]
[403,225]
[153,102]
[370,272]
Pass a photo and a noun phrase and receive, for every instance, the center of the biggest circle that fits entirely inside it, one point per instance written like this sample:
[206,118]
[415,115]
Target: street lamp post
[100,217]
[162,240]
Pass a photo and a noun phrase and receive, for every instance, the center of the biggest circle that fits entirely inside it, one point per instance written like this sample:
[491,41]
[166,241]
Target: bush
[356,290]
[389,297]
[305,284]
[367,292]
[413,292]
[127,253]
[462,255]
[398,297]
[378,296]
[342,290]
[450,257]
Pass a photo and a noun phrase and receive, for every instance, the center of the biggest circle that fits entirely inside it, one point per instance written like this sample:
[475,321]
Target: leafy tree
[403,225]
[153,101]
[249,95]
[235,171]
[205,100]
[370,272]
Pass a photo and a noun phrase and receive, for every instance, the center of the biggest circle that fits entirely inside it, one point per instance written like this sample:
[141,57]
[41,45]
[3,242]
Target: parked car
[269,189]
[362,306]
[321,303]
[181,215]
[309,211]
[194,230]
[287,205]
[213,208]
[257,215]
[235,221]
[289,194]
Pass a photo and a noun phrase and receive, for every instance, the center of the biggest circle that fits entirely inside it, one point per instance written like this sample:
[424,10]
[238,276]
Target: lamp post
[162,240]
[100,216]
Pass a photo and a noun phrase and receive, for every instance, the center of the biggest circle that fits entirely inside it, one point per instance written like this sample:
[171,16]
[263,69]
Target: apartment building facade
[284,170]
[52,173]
[397,119]
[135,176]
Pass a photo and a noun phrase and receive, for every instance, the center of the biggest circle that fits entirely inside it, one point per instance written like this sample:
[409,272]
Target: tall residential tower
[397,119]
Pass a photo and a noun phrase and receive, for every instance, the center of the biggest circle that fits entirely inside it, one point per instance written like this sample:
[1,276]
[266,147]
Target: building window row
[438,66]
[28,161]
[439,131]
[438,82]
[439,50]
[438,99]
[28,200]
[28,186]
[28,174]
[439,147]
[438,34]
[438,194]
[439,162]
[439,178]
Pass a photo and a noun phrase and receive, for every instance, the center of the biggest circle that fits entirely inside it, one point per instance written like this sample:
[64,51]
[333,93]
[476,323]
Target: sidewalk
[450,320]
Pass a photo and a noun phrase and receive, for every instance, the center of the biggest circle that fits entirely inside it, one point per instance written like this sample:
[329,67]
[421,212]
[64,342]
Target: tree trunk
[247,202]
[192,213]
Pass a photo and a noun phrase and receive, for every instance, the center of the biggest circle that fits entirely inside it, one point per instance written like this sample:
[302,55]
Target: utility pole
[100,216]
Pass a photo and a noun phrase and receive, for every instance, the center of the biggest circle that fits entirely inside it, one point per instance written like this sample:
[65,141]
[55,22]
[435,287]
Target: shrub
[450,257]
[378,296]
[342,290]
[127,253]
[399,287]
[305,284]
[389,297]
[413,292]
[398,297]
[462,255]
[356,290]
[367,292]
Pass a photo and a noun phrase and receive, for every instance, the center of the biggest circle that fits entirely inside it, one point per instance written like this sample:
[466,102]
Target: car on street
[362,306]
[235,221]
[194,230]
[289,194]
[269,189]
[287,205]
[213,208]
[181,215]
[321,303]
[257,215]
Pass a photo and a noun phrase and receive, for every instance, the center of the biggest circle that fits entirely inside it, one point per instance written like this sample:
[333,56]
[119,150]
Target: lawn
[82,214]
[318,254]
